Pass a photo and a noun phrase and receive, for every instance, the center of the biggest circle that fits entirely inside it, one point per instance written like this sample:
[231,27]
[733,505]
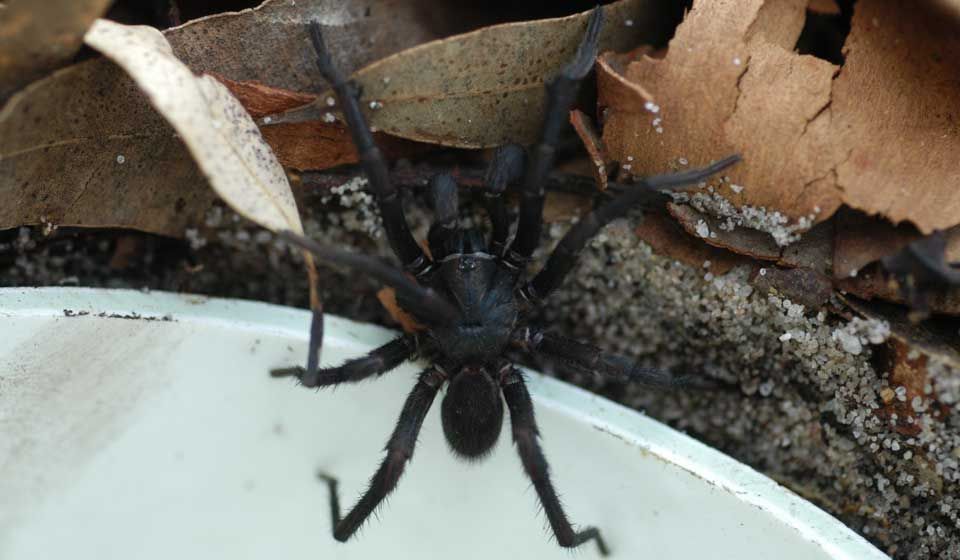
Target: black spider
[471,296]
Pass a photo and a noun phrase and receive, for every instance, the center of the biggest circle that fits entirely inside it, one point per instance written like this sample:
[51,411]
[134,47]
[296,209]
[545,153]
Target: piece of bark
[813,135]
[813,251]
[667,238]
[861,240]
[741,240]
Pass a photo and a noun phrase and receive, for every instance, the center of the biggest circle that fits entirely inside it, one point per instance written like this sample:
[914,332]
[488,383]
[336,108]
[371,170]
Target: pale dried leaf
[217,130]
[38,37]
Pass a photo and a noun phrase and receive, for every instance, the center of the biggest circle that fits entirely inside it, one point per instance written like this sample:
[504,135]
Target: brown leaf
[745,241]
[86,135]
[39,37]
[309,144]
[813,135]
[814,250]
[485,88]
[861,240]
[665,237]
[873,283]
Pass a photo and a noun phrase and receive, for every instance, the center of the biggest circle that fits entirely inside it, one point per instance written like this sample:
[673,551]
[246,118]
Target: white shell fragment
[215,127]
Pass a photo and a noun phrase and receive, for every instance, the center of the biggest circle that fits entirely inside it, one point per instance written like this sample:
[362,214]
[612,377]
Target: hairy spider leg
[425,303]
[399,450]
[561,93]
[446,209]
[505,168]
[564,257]
[411,256]
[377,362]
[525,435]
[587,358]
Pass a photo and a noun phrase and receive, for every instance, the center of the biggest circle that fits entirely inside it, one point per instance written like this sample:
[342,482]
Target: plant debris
[813,135]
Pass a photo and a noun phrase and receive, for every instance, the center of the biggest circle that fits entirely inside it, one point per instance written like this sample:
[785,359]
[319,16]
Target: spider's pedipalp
[446,214]
[425,302]
[505,168]
[399,450]
[561,91]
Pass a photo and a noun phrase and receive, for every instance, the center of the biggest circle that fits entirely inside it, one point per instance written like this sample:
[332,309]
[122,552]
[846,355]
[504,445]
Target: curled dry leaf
[216,129]
[219,133]
[813,135]
[38,37]
[86,134]
[485,88]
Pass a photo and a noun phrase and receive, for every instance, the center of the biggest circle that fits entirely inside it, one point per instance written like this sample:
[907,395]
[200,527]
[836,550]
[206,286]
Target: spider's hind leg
[399,451]
[525,436]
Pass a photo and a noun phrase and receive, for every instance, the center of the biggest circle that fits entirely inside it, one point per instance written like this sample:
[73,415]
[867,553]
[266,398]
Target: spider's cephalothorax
[471,294]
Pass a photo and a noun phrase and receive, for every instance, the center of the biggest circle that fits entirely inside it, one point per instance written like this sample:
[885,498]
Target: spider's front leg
[561,92]
[525,435]
[564,257]
[388,197]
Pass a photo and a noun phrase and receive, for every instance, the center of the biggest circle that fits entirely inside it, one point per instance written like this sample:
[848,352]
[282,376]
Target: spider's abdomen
[484,291]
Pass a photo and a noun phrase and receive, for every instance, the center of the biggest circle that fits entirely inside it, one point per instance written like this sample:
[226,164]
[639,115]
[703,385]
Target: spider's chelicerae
[472,295]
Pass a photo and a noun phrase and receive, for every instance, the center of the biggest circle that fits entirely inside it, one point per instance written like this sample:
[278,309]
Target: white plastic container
[145,426]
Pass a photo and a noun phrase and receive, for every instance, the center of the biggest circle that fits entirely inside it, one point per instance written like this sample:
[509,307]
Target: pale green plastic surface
[159,439]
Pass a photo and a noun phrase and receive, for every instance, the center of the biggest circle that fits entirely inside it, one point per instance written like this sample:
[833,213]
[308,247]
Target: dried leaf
[38,37]
[217,130]
[861,240]
[310,144]
[813,135]
[86,134]
[269,43]
[665,237]
[485,88]
[814,250]
[741,240]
